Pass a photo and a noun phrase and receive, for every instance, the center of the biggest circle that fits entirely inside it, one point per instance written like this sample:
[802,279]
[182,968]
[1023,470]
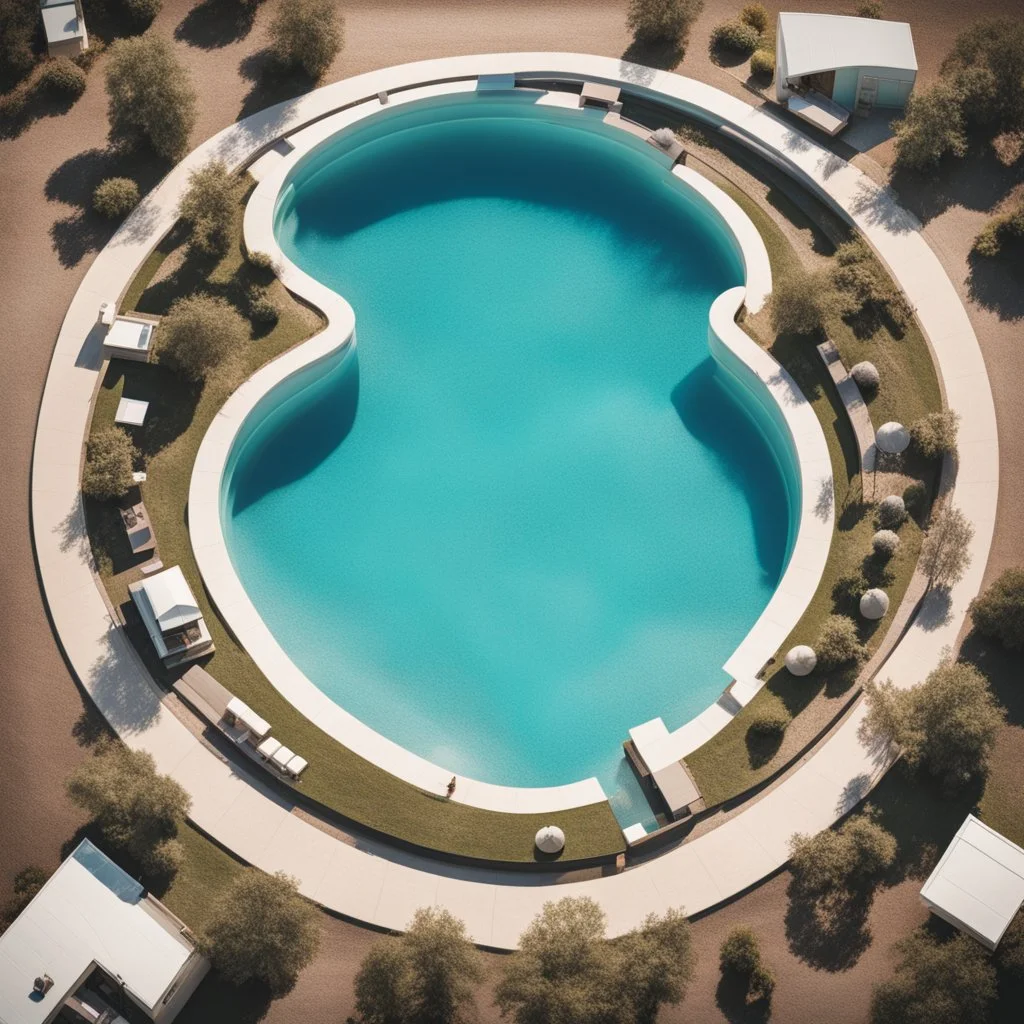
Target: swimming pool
[529,510]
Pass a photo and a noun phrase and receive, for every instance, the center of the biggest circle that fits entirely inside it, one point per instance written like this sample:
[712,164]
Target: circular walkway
[381,886]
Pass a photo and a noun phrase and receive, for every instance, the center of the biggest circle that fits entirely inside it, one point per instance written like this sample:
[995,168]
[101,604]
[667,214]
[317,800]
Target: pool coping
[754,368]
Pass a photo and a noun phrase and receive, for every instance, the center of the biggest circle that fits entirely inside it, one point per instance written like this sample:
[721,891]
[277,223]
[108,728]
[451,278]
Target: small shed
[978,885]
[829,66]
[64,25]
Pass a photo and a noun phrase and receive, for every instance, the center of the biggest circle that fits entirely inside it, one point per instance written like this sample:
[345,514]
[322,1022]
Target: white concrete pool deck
[381,887]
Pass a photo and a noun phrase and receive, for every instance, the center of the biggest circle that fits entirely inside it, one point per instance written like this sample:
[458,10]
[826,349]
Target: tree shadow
[762,747]
[271,83]
[1002,668]
[726,57]
[27,103]
[662,54]
[108,539]
[217,1000]
[995,283]
[830,937]
[216,23]
[732,997]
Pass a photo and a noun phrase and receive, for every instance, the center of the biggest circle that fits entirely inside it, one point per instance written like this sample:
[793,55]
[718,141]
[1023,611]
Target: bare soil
[48,168]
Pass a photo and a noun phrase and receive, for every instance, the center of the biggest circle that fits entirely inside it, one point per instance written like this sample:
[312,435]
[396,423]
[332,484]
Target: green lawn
[734,760]
[178,417]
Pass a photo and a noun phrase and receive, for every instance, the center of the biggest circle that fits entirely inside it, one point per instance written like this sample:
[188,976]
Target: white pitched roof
[823,42]
[979,882]
[171,599]
[89,911]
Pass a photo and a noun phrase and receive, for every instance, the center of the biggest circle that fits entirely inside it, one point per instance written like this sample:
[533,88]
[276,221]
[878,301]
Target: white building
[64,25]
[94,946]
[172,617]
[828,66]
[978,885]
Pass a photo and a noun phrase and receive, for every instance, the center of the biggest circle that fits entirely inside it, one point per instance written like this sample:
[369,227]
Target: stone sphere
[892,438]
[550,839]
[874,604]
[664,137]
[801,660]
[891,511]
[866,376]
[885,542]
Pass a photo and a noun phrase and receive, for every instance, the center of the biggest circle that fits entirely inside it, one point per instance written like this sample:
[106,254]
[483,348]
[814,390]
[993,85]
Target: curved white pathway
[380,886]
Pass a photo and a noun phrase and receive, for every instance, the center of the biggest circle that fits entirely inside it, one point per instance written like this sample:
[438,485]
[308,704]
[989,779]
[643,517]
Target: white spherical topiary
[885,543]
[664,137]
[891,512]
[550,839]
[892,438]
[801,660]
[866,375]
[874,603]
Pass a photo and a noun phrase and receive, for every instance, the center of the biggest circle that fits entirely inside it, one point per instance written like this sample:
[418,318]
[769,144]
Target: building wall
[894,86]
[195,969]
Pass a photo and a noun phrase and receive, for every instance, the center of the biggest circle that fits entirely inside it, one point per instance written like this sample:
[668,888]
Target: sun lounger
[268,748]
[241,714]
[280,757]
[296,766]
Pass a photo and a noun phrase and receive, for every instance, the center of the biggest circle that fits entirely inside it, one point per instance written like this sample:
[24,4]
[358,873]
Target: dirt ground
[47,171]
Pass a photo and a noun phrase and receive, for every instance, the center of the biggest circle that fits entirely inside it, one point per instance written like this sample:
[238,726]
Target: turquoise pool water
[528,511]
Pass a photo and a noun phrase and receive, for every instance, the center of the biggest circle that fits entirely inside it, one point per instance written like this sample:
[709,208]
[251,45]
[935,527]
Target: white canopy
[978,885]
[824,42]
[170,599]
[550,839]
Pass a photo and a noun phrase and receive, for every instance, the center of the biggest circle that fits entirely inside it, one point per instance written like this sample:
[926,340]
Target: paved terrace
[380,886]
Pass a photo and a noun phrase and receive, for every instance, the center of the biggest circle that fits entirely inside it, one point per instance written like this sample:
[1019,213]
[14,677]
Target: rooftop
[89,912]
[170,599]
[823,42]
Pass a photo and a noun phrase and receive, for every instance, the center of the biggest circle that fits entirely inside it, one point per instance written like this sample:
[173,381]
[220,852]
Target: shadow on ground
[662,54]
[996,284]
[731,997]
[216,23]
[270,82]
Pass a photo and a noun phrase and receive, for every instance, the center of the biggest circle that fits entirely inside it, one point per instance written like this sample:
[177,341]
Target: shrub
[260,260]
[115,197]
[940,982]
[915,496]
[142,12]
[740,952]
[27,884]
[828,863]
[209,206]
[260,928]
[947,725]
[735,36]
[999,612]
[1010,954]
[801,303]
[892,512]
[838,642]
[756,16]
[884,543]
[866,376]
[136,809]
[18,21]
[62,77]
[986,68]
[770,722]
[934,435]
[870,9]
[150,96]
[989,241]
[932,126]
[307,34]
[262,308]
[945,551]
[762,62]
[109,460]
[847,589]
[653,21]
[199,333]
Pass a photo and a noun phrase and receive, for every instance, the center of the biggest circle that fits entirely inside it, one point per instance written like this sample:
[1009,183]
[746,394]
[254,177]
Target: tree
[827,864]
[756,16]
[931,127]
[801,303]
[136,809]
[947,725]
[654,966]
[115,197]
[986,66]
[18,20]
[945,552]
[936,983]
[838,642]
[261,929]
[424,977]
[935,433]
[563,968]
[737,36]
[654,21]
[740,955]
[27,883]
[199,333]
[999,612]
[109,461]
[142,12]
[307,34]
[150,97]
[209,206]
[62,77]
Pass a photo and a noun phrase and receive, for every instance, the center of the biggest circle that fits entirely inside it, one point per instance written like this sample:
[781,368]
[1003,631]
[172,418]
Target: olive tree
[947,725]
[653,966]
[261,929]
[109,461]
[661,20]
[115,198]
[801,302]
[18,21]
[307,34]
[150,96]
[931,127]
[199,333]
[838,642]
[740,956]
[986,67]
[424,977]
[945,551]
[936,982]
[935,433]
[137,810]
[999,612]
[829,863]
[209,206]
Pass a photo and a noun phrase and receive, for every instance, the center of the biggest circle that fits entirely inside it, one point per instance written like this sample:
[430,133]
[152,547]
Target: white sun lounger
[268,748]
